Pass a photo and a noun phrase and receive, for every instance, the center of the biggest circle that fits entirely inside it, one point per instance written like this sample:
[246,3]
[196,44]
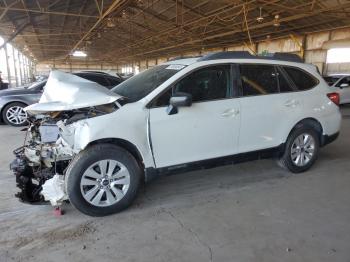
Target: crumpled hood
[64,91]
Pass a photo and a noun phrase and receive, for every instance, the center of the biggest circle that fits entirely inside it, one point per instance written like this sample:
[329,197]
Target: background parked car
[102,78]
[14,100]
[341,84]
[4,85]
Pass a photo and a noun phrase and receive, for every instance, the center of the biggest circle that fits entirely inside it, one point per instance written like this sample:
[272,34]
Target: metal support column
[7,66]
[14,65]
[20,68]
[25,75]
[23,69]
[27,69]
[30,67]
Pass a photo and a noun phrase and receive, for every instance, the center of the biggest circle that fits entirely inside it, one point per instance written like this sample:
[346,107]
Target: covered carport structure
[253,211]
[141,33]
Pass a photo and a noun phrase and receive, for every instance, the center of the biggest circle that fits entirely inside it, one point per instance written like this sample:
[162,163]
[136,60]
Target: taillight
[334,97]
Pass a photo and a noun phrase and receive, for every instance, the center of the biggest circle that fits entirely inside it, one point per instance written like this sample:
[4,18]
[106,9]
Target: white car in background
[341,85]
[93,146]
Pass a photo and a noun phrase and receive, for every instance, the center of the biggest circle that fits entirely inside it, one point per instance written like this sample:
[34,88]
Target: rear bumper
[327,139]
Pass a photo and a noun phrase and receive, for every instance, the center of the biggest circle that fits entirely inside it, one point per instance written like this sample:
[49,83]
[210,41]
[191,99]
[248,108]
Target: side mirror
[344,85]
[179,99]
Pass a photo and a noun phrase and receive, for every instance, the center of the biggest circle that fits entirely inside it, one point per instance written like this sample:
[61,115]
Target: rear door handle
[230,112]
[291,103]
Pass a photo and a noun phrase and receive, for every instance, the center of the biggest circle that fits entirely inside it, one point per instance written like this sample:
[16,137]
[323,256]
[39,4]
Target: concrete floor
[249,212]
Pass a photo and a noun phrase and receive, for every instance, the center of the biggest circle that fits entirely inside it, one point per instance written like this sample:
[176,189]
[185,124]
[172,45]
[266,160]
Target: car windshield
[144,83]
[331,79]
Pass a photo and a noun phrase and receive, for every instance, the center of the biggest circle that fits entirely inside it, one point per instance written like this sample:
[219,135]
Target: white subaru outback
[94,146]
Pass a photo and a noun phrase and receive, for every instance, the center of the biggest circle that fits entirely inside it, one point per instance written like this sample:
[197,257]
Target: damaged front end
[41,163]
[54,123]
[43,155]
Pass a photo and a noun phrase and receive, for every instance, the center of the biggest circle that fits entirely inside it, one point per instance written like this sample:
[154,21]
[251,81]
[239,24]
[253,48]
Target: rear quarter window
[301,79]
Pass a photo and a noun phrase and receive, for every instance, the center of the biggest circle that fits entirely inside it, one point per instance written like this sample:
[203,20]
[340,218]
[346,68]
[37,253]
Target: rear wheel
[102,180]
[14,114]
[301,150]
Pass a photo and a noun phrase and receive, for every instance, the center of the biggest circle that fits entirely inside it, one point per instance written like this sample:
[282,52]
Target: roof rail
[183,57]
[246,55]
[93,72]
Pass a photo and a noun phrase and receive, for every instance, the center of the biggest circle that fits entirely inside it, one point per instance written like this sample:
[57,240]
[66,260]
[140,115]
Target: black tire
[286,159]
[5,110]
[88,157]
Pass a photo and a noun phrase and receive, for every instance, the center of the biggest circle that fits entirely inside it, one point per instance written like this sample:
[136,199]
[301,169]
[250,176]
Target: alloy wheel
[303,149]
[105,183]
[16,115]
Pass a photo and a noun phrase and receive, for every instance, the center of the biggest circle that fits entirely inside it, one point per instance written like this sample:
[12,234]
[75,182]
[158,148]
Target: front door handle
[291,103]
[230,112]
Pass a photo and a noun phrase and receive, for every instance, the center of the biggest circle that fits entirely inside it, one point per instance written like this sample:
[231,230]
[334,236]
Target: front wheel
[102,180]
[301,150]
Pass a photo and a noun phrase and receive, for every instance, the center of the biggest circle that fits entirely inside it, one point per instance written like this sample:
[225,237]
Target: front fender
[122,124]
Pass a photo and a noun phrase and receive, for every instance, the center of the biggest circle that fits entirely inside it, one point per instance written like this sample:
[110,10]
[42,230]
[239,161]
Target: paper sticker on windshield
[175,67]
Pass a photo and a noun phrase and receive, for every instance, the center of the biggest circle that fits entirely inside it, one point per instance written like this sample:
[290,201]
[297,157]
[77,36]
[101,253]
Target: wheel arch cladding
[130,147]
[312,123]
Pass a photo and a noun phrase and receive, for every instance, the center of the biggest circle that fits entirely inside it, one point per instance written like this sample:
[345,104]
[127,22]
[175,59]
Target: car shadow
[206,184]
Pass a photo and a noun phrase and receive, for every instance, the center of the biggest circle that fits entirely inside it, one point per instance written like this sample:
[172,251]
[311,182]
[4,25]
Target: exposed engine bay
[41,163]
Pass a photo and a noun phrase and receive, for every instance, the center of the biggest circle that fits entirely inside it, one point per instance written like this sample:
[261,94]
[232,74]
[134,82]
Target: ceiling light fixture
[276,21]
[78,53]
[260,19]
[110,23]
[124,14]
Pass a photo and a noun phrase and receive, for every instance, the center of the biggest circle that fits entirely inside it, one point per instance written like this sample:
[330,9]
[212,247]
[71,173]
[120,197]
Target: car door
[265,112]
[343,87]
[207,129]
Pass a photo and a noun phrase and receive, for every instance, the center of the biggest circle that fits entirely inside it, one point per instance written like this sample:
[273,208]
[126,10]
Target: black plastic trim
[152,173]
[327,139]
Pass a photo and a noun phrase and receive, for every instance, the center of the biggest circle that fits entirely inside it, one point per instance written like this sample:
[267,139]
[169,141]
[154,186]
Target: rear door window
[302,80]
[258,79]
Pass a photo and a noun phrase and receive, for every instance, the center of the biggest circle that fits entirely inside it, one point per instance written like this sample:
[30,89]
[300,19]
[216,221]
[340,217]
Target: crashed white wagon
[94,146]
